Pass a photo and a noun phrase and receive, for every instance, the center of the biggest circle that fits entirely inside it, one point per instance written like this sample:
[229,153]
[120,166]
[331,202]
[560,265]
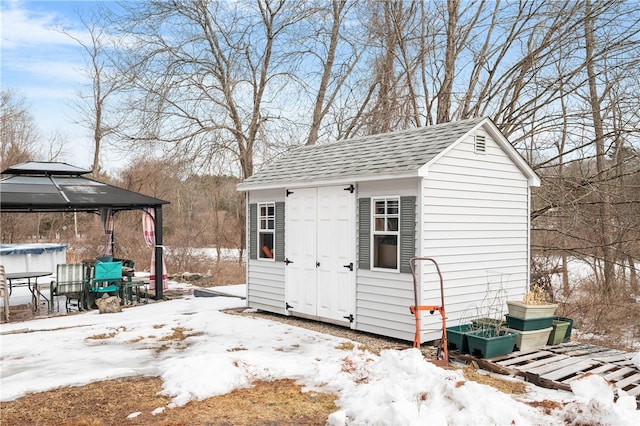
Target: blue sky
[46,68]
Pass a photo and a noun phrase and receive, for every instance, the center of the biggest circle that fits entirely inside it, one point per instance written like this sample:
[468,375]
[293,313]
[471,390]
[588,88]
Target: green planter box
[528,324]
[558,333]
[567,335]
[457,338]
[485,344]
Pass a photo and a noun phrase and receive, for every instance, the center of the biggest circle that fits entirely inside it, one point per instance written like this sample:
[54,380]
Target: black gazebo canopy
[60,187]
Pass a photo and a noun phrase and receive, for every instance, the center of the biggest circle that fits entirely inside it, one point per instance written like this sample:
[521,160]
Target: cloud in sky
[23,27]
[33,46]
[46,66]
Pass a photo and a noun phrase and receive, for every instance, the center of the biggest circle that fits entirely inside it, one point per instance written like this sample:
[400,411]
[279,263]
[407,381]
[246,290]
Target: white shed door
[322,282]
[300,250]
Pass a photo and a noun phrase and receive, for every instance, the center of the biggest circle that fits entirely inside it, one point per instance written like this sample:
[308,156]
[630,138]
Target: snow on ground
[223,352]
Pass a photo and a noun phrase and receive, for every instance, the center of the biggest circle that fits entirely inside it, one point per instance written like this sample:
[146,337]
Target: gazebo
[60,187]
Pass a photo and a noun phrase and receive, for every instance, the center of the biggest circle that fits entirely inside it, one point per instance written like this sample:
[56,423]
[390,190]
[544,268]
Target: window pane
[379,224]
[271,210]
[265,251]
[271,223]
[263,224]
[385,251]
[392,207]
[379,208]
[392,224]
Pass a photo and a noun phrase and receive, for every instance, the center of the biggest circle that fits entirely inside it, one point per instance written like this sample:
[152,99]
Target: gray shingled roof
[381,154]
[54,187]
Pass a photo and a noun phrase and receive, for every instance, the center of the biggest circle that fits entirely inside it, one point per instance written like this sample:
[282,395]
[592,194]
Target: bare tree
[18,132]
[207,75]
[105,82]
[331,43]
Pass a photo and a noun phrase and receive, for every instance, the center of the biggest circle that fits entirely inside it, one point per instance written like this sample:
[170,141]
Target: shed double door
[320,245]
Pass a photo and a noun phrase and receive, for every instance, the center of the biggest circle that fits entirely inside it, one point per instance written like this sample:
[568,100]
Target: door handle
[350,266]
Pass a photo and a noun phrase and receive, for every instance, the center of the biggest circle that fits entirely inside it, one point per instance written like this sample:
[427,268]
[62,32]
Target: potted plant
[490,342]
[533,306]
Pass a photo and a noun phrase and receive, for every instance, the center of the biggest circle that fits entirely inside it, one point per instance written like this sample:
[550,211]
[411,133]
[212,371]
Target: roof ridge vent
[480,144]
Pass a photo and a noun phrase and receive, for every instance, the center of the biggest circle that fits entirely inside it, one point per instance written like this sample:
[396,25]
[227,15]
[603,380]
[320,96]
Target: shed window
[266,230]
[386,217]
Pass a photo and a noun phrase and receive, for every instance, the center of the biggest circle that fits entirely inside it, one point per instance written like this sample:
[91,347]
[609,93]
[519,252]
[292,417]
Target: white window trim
[261,231]
[374,233]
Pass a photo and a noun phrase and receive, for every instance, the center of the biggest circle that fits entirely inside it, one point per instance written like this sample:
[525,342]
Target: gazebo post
[158,248]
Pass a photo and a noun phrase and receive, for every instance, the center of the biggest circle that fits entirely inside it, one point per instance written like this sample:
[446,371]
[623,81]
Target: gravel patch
[372,342]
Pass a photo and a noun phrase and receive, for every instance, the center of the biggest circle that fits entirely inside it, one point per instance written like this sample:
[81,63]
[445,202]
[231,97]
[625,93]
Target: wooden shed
[331,227]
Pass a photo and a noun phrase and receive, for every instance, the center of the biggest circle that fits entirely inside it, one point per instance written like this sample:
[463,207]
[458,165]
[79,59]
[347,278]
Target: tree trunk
[444,95]
[604,209]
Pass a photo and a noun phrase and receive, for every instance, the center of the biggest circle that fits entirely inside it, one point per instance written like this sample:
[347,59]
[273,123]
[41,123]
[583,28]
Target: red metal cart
[442,357]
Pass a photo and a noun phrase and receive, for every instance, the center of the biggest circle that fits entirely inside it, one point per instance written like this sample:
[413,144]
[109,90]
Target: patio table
[33,287]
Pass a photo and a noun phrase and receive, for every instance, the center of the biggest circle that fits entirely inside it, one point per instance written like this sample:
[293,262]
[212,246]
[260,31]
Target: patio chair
[106,279]
[4,289]
[70,283]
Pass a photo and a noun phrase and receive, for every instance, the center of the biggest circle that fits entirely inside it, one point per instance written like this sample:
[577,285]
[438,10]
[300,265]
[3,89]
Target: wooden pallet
[559,365]
[555,367]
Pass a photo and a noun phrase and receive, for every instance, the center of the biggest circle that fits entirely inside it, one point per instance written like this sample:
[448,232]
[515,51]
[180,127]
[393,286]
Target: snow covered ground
[224,352]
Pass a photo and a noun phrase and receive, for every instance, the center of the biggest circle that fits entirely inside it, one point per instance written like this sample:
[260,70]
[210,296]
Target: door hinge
[350,188]
[350,266]
[349,317]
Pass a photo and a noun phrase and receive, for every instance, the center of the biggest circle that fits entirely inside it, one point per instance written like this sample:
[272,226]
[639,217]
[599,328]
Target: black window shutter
[253,231]
[279,248]
[407,231]
[364,233]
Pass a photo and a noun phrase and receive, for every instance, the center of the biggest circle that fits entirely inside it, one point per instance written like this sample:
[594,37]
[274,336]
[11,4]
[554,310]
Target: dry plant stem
[535,297]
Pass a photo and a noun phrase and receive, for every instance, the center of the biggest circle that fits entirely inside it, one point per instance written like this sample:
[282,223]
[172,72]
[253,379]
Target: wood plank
[549,384]
[592,351]
[634,392]
[619,374]
[547,368]
[600,370]
[569,370]
[541,362]
[604,368]
[615,356]
[485,364]
[523,358]
[634,378]
[571,347]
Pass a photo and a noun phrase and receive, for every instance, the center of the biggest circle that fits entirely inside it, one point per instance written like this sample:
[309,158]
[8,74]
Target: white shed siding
[265,288]
[382,304]
[474,222]
[265,278]
[383,298]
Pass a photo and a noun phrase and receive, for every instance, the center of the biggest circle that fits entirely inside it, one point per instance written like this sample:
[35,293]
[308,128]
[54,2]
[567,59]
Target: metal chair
[70,282]
[106,278]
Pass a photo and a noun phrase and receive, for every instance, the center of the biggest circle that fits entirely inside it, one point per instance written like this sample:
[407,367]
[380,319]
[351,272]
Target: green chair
[70,282]
[107,277]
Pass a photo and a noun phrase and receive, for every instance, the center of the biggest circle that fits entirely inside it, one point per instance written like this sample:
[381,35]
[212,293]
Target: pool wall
[23,257]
